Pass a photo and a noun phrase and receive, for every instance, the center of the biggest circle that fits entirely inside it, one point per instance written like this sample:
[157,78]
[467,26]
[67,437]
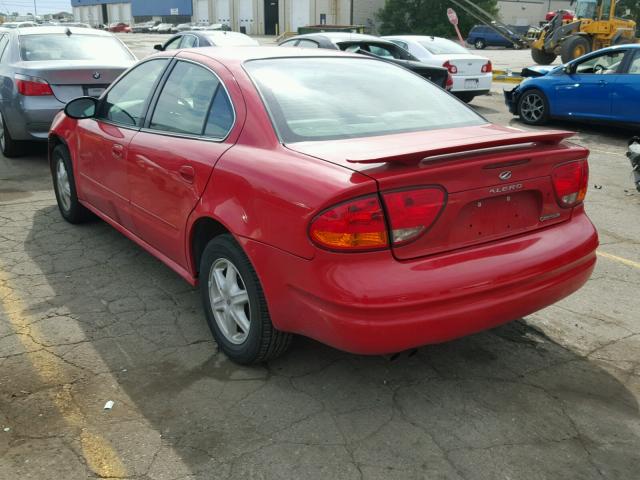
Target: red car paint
[497,251]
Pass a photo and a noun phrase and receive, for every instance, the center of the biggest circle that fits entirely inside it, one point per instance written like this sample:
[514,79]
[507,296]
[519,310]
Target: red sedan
[119,27]
[327,194]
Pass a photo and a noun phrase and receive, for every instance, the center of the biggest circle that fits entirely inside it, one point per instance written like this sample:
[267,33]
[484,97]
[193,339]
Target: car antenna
[68,32]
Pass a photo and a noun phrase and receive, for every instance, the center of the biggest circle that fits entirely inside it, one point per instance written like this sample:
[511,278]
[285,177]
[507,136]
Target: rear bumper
[30,118]
[373,304]
[483,85]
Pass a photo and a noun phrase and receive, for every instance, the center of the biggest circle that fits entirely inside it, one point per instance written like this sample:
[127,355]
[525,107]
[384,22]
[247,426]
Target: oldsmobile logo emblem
[96,75]
[506,175]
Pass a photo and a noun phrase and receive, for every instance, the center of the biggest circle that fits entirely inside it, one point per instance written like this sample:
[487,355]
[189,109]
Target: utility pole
[35,9]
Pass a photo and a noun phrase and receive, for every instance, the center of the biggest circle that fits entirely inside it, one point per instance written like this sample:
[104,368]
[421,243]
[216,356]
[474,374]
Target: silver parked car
[43,68]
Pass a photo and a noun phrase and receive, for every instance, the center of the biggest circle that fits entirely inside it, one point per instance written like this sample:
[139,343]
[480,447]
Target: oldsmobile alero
[326,194]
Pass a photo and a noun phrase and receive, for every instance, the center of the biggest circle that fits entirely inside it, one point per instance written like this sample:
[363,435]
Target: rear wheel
[541,57]
[480,44]
[573,47]
[9,146]
[235,305]
[533,107]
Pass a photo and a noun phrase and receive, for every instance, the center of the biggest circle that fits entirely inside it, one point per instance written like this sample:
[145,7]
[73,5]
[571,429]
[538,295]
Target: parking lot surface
[87,317]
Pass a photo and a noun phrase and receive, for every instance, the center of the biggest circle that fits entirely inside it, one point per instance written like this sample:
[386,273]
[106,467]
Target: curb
[507,76]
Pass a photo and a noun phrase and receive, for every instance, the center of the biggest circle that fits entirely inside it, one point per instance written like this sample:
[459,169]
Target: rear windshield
[336,98]
[439,46]
[106,49]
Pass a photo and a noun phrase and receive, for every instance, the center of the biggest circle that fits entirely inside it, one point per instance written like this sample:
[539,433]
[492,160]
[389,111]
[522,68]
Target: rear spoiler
[417,154]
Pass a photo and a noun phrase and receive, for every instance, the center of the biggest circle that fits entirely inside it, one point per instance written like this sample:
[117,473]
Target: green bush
[427,17]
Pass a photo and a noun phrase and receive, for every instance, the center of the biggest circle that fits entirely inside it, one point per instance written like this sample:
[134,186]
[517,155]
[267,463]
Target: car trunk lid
[72,78]
[497,179]
[465,64]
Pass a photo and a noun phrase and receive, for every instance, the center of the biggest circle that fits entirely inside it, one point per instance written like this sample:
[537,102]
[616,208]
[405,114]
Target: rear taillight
[449,66]
[32,86]
[354,226]
[487,67]
[570,181]
[360,225]
[412,212]
[449,84]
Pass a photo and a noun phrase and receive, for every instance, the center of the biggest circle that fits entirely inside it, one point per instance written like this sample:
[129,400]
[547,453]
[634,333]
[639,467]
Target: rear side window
[193,102]
[125,102]
[59,46]
[307,44]
[189,41]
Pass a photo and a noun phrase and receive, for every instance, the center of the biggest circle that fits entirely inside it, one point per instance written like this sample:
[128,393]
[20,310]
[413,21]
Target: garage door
[245,16]
[202,12]
[299,14]
[223,12]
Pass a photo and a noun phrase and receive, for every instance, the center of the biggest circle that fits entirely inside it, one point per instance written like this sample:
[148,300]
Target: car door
[103,140]
[625,95]
[171,159]
[586,91]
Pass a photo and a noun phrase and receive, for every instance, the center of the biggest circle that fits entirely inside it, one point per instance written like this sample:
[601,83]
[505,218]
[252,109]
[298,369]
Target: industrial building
[529,12]
[256,17]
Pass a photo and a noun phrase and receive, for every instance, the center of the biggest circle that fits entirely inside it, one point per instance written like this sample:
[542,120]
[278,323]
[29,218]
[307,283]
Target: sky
[26,6]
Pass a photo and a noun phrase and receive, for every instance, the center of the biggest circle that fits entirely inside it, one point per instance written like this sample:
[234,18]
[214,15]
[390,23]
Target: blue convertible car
[603,86]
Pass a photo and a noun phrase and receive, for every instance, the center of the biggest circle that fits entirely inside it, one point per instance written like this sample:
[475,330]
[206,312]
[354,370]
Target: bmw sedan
[303,201]
[601,87]
[42,68]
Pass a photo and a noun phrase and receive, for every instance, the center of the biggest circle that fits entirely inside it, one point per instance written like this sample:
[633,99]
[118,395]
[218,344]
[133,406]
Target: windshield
[439,46]
[336,98]
[586,8]
[73,47]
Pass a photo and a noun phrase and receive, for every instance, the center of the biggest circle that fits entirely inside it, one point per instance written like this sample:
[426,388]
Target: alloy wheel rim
[229,301]
[532,107]
[478,44]
[64,188]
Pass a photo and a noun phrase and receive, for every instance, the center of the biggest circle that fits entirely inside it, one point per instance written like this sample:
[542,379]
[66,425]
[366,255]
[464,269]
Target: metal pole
[35,9]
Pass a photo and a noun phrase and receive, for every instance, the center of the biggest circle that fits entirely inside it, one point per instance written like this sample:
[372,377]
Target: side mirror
[158,47]
[80,108]
[567,69]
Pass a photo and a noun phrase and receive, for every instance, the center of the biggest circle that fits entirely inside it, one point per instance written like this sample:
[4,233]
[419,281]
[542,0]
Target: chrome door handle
[187,173]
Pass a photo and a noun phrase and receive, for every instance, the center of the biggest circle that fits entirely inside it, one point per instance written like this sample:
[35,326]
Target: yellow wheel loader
[595,26]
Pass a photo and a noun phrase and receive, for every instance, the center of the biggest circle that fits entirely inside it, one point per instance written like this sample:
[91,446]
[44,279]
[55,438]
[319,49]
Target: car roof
[343,37]
[415,37]
[53,29]
[236,55]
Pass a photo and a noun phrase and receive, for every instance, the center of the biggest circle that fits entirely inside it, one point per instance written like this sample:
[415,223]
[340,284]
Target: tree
[632,5]
[427,17]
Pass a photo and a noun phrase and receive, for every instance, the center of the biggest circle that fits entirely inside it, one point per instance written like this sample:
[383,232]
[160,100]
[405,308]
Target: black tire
[573,47]
[263,341]
[10,147]
[526,107]
[464,96]
[479,44]
[541,57]
[70,208]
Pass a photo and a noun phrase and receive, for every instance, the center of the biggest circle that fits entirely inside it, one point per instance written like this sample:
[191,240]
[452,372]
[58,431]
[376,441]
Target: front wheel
[573,47]
[479,44]
[541,57]
[533,107]
[64,186]
[235,305]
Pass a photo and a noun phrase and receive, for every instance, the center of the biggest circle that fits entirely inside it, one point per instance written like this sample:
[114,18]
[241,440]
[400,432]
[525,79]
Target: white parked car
[165,28]
[471,73]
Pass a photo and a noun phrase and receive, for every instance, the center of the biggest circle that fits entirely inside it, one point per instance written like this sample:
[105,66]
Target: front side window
[289,44]
[106,49]
[173,44]
[189,41]
[307,44]
[193,102]
[125,102]
[634,66]
[602,64]
[335,98]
